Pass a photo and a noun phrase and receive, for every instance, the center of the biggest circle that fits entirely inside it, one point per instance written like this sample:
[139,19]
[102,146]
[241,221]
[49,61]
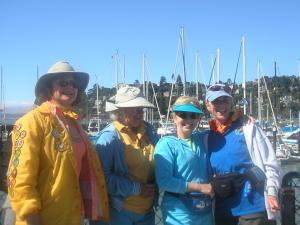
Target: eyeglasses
[218,87]
[65,83]
[188,115]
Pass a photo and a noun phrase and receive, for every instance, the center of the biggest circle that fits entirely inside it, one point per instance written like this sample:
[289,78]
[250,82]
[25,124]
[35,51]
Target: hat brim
[213,95]
[110,107]
[81,78]
[137,102]
[187,108]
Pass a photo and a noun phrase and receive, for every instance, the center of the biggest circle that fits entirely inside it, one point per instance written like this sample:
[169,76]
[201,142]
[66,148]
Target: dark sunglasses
[137,110]
[65,83]
[188,115]
[217,87]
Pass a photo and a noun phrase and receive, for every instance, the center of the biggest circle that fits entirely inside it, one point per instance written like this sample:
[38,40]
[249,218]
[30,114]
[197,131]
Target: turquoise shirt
[176,164]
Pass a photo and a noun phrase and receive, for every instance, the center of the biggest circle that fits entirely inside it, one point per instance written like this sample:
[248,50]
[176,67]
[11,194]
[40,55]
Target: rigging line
[172,87]
[154,93]
[278,70]
[183,61]
[237,66]
[268,94]
[202,73]
[212,70]
[169,106]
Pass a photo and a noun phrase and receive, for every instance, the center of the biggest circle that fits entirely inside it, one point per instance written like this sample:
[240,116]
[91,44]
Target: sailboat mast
[197,87]
[299,82]
[244,74]
[98,112]
[275,89]
[117,69]
[218,71]
[2,104]
[145,84]
[183,59]
[213,61]
[37,72]
[258,93]
[124,70]
[97,95]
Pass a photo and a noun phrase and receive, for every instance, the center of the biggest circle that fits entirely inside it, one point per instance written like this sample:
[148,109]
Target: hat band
[189,107]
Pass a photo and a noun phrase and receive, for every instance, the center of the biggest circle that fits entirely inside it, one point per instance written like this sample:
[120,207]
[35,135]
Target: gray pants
[7,216]
[251,219]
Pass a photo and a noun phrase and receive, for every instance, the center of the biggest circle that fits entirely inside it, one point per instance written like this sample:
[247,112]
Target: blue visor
[213,95]
[189,107]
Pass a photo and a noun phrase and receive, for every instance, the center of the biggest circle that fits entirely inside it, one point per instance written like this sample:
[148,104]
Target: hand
[204,188]
[273,202]
[207,189]
[247,119]
[251,120]
[148,190]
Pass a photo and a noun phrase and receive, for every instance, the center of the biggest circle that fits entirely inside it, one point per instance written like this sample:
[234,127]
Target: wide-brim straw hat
[60,69]
[128,97]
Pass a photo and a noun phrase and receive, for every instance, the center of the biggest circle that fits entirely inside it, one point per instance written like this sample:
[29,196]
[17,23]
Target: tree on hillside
[162,81]
[178,85]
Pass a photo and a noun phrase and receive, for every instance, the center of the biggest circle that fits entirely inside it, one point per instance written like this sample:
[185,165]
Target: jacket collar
[45,109]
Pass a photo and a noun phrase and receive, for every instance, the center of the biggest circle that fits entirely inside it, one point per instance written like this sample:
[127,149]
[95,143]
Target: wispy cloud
[18,107]
[18,103]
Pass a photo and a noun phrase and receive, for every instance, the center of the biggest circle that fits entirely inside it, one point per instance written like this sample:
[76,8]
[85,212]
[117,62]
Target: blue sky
[87,34]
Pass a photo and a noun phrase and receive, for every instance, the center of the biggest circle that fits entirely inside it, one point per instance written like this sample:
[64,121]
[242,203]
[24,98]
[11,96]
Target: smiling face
[64,91]
[220,108]
[185,123]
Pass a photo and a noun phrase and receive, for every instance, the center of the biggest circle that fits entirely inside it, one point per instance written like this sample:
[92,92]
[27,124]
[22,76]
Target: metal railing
[289,196]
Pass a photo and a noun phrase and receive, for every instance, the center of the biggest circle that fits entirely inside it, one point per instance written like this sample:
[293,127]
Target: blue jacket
[110,149]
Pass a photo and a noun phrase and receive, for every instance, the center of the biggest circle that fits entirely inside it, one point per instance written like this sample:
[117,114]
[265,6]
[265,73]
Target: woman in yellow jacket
[54,176]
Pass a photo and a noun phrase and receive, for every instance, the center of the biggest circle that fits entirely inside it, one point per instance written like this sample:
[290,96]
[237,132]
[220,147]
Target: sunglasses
[137,110]
[188,115]
[218,87]
[65,83]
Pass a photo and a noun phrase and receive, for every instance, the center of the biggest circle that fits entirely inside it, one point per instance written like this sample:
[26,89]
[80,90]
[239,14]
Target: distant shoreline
[11,118]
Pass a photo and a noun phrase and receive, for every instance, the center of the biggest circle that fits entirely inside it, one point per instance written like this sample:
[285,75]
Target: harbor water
[290,166]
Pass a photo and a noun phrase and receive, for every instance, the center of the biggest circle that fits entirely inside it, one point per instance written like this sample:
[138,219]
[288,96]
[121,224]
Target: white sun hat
[129,97]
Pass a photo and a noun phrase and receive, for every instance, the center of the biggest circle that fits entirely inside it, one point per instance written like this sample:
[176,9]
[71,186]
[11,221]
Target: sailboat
[95,122]
[284,139]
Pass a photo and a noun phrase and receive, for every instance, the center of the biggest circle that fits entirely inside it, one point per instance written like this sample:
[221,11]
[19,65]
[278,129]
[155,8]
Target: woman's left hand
[207,189]
[273,202]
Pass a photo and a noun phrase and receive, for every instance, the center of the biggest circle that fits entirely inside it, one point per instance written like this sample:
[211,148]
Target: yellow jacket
[42,174]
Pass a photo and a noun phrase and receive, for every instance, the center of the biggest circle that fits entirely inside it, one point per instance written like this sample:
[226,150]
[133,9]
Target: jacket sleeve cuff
[26,207]
[272,191]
